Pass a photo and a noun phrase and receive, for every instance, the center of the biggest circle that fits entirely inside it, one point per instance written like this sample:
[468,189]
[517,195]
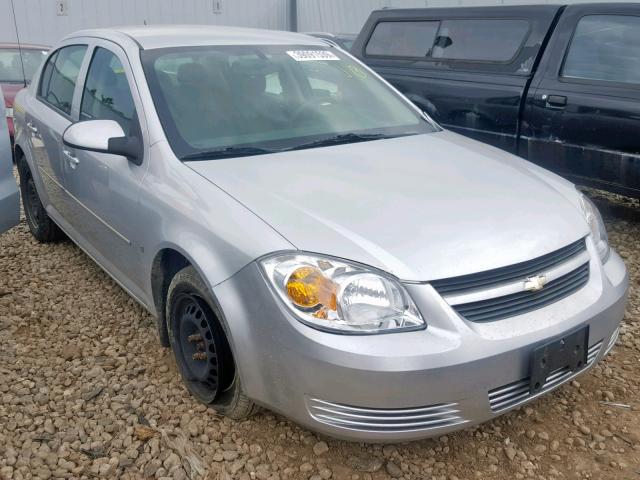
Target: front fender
[184,212]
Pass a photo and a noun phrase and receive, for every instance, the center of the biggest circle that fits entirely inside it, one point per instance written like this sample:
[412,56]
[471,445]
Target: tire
[201,348]
[43,229]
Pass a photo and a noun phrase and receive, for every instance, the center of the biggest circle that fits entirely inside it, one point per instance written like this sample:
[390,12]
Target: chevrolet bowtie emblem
[534,284]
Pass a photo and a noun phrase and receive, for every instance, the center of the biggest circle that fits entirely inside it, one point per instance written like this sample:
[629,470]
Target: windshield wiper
[227,152]
[341,139]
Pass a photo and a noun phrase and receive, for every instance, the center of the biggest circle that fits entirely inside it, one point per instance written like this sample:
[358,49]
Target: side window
[402,39]
[606,48]
[45,78]
[495,40]
[107,95]
[60,75]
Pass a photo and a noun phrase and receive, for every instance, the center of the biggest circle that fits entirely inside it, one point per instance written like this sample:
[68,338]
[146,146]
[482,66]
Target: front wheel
[40,224]
[201,348]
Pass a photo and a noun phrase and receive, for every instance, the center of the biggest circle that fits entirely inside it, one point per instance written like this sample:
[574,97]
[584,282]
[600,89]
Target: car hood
[421,207]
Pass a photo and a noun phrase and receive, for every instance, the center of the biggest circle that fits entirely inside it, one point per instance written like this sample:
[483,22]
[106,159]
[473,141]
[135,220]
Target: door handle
[31,127]
[73,161]
[555,101]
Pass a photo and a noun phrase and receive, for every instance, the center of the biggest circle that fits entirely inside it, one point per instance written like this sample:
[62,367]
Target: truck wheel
[201,348]
[40,224]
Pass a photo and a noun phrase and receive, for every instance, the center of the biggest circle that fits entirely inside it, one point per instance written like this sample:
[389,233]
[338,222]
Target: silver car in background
[308,240]
[9,196]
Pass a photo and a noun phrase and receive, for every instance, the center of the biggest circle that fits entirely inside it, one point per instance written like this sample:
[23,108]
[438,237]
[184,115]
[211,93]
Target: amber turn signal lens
[307,287]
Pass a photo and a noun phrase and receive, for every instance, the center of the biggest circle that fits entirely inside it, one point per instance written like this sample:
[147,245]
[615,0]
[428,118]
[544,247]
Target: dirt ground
[86,392]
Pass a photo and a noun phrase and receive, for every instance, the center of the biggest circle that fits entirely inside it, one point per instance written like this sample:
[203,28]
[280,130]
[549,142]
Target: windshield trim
[247,150]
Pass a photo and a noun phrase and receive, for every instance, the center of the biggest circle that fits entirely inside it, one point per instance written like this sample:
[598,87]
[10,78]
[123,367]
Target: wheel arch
[24,154]
[18,151]
[169,260]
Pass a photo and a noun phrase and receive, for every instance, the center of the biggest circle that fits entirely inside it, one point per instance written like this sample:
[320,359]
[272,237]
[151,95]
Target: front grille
[519,271]
[523,302]
[385,419]
[513,394]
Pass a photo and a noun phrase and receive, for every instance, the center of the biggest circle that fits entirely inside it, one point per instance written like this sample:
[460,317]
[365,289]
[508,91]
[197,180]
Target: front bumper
[405,386]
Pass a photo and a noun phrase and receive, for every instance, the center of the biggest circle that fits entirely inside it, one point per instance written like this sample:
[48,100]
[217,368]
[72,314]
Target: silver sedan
[307,239]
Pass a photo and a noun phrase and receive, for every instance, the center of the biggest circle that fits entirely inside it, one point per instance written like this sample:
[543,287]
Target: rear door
[468,68]
[9,199]
[103,188]
[583,118]
[50,114]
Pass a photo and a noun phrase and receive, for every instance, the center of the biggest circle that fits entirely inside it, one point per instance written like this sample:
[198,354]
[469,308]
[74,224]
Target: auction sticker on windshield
[311,55]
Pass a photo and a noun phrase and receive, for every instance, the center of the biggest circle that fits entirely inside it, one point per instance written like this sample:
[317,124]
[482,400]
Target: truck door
[582,119]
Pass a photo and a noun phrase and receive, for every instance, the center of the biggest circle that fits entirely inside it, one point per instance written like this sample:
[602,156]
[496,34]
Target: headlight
[337,296]
[596,224]
[9,111]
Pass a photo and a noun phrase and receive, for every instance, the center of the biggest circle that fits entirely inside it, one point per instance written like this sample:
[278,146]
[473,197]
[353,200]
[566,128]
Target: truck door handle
[555,101]
[73,161]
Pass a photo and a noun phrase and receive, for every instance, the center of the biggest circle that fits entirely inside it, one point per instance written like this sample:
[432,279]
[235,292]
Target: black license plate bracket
[568,351]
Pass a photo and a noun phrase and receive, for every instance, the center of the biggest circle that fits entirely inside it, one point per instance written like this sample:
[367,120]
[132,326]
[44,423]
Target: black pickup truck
[558,85]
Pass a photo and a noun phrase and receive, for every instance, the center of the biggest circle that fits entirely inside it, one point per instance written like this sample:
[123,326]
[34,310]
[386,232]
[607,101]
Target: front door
[104,187]
[583,117]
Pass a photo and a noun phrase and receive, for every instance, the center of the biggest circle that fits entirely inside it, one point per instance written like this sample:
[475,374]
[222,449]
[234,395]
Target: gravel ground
[86,392]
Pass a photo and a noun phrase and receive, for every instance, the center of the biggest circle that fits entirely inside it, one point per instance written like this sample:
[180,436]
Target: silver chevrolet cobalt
[308,240]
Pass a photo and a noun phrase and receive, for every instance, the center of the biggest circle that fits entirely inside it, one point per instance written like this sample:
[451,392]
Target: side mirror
[103,136]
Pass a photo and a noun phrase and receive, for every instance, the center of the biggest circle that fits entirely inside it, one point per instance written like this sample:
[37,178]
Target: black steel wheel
[40,224]
[201,348]
[32,206]
[202,358]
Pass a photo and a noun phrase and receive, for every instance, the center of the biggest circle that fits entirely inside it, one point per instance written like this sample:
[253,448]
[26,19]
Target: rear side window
[489,40]
[59,77]
[107,95]
[403,39]
[480,40]
[606,48]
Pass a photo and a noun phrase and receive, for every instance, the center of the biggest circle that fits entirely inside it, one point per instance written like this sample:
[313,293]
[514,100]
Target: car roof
[452,12]
[162,36]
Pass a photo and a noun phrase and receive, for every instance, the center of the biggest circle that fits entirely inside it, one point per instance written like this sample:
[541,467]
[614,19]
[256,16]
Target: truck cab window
[605,48]
[403,39]
[491,40]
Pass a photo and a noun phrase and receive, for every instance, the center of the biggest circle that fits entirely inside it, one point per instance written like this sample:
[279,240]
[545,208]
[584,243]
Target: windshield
[11,67]
[260,99]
